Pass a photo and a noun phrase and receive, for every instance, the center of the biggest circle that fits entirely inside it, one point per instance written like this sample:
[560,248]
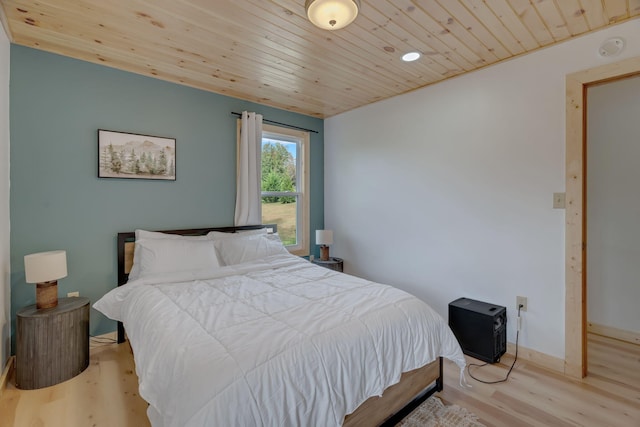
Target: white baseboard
[611,332]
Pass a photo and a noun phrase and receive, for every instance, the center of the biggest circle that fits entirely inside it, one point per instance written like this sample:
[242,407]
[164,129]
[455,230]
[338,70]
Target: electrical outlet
[521,301]
[558,200]
[311,257]
[73,294]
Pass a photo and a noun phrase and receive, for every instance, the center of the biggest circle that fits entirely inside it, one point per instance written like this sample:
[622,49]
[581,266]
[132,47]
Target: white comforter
[279,342]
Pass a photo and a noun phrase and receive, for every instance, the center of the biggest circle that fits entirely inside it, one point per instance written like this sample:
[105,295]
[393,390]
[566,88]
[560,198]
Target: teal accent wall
[57,201]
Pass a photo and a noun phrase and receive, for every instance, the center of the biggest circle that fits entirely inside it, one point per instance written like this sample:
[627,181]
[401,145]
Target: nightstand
[332,263]
[52,344]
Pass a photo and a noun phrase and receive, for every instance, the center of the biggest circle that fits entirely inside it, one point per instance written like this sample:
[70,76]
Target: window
[285,185]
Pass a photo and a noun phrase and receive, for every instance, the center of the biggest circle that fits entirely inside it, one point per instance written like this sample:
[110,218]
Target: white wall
[5,299]
[447,191]
[613,204]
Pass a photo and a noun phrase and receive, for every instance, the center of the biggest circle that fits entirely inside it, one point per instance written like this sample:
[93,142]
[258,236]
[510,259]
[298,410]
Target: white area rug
[434,413]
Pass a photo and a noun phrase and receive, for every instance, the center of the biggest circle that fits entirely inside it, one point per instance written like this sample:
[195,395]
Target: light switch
[558,200]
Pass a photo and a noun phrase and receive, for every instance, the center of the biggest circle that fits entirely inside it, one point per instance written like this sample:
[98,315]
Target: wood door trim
[575,232]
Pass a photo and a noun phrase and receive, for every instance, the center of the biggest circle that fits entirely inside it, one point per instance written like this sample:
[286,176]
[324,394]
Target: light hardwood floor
[534,396]
[106,394]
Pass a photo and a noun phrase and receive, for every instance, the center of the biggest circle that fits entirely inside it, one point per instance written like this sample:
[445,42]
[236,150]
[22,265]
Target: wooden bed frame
[387,410]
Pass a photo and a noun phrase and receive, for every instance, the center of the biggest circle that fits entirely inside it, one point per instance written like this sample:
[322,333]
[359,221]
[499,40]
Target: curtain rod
[278,123]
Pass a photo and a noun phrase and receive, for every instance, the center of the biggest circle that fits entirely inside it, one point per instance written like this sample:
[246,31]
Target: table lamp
[324,238]
[44,269]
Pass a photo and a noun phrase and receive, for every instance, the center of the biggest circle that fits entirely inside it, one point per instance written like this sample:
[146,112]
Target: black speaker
[480,327]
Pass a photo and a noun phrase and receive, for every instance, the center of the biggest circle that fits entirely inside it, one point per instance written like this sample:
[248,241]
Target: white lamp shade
[45,266]
[324,237]
[332,14]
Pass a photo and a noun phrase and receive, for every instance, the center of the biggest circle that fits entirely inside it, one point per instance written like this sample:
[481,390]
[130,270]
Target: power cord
[485,364]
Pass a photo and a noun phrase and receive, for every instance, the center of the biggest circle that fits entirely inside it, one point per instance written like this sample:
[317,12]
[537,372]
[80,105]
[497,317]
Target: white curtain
[248,200]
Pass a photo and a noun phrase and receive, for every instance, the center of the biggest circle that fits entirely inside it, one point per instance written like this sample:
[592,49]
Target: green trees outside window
[279,177]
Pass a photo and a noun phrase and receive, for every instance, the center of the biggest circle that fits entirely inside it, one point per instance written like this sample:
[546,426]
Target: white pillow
[172,255]
[144,234]
[249,248]
[215,235]
[260,231]
[266,231]
[273,236]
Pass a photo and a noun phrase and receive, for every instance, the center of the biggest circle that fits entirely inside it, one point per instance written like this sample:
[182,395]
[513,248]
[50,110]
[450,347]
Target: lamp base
[324,253]
[47,294]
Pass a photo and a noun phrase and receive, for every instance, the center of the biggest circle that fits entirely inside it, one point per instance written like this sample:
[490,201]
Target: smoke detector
[611,47]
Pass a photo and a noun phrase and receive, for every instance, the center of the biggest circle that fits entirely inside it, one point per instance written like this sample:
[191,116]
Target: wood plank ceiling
[267,51]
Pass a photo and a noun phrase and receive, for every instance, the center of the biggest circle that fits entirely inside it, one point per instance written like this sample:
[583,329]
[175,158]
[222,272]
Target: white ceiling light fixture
[332,14]
[411,56]
[611,47]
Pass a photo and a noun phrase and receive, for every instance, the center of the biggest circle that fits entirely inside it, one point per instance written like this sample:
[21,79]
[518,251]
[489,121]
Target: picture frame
[136,156]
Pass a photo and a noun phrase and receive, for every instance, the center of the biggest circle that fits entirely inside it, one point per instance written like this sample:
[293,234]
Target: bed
[262,337]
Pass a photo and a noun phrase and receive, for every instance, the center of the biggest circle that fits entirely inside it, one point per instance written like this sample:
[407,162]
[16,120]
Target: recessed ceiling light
[411,56]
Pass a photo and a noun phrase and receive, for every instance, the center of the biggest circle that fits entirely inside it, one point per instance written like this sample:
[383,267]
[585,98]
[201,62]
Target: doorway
[613,209]
[575,231]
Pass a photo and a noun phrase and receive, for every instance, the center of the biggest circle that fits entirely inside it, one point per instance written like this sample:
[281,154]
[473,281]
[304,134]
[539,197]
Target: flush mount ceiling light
[411,56]
[332,14]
